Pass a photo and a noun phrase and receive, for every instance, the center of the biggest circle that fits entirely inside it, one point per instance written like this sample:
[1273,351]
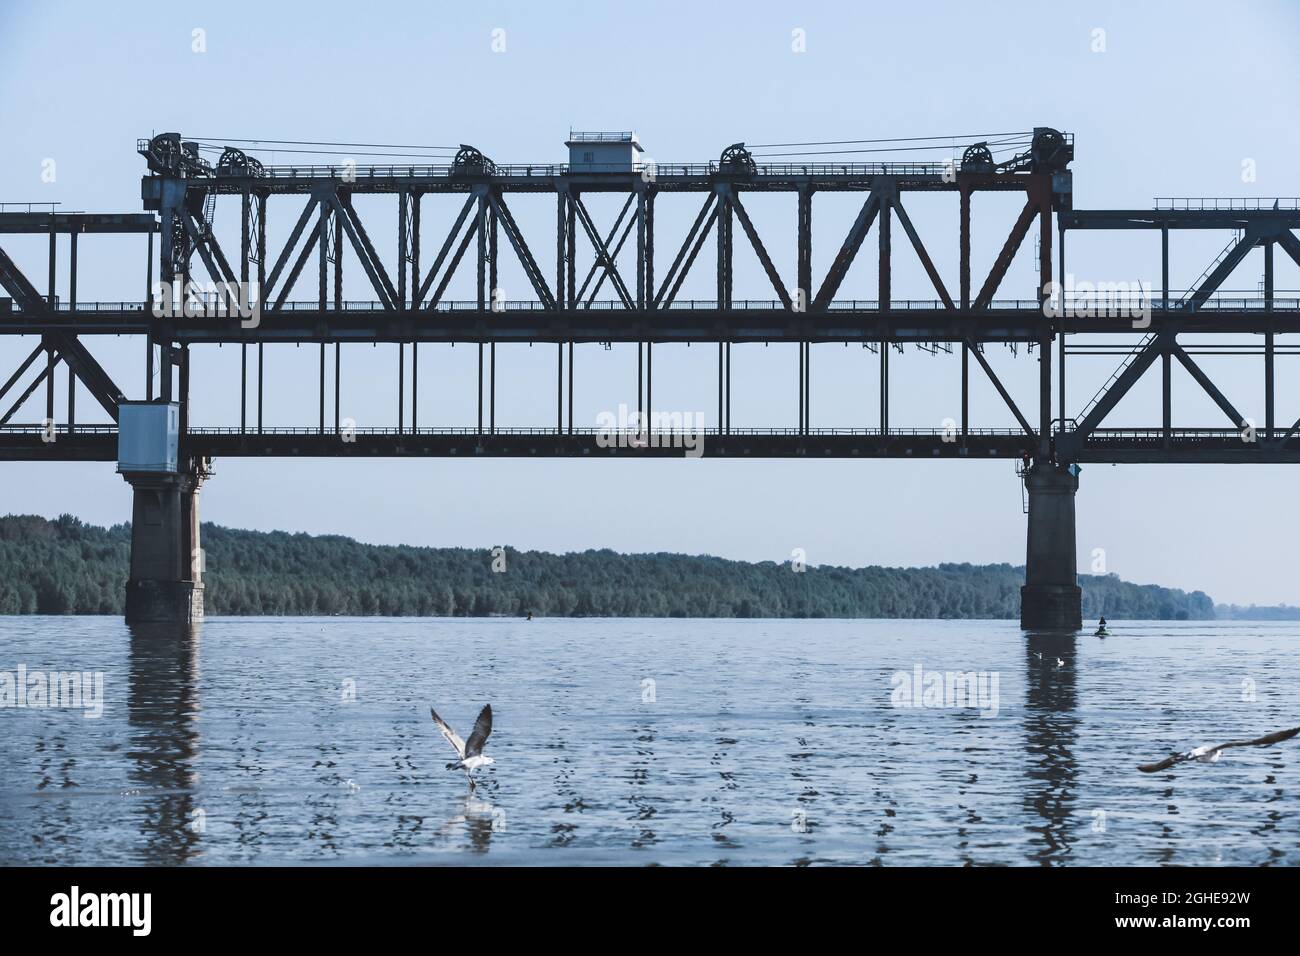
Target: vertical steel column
[649,384]
[802,359]
[322,389]
[72,305]
[884,384]
[1166,365]
[184,391]
[1060,332]
[721,373]
[1164,266]
[261,285]
[403,207]
[50,294]
[481,284]
[494,295]
[559,388]
[650,250]
[338,307]
[640,245]
[963,238]
[72,271]
[807,387]
[415,290]
[323,298]
[49,383]
[245,251]
[1041,188]
[804,248]
[883,304]
[965,392]
[561,243]
[1268,340]
[570,386]
[571,258]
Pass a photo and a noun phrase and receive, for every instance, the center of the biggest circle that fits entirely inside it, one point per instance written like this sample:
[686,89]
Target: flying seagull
[469,752]
[1212,754]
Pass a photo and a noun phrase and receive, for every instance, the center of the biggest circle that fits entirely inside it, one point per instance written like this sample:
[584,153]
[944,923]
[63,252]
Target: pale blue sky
[1182,94]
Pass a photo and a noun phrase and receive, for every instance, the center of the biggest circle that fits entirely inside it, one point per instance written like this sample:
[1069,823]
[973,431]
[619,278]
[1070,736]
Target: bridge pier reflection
[1051,730]
[162,702]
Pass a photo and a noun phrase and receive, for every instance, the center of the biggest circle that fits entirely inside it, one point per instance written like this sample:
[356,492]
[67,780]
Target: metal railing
[655,170]
[1235,301]
[1225,203]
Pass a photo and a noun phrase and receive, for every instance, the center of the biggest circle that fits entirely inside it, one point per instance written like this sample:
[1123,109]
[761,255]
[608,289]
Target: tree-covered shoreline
[68,567]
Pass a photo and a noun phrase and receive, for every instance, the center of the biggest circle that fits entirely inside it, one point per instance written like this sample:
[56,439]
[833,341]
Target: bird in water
[1212,754]
[469,752]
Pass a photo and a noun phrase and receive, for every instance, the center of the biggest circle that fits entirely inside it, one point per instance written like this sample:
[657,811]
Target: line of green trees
[68,567]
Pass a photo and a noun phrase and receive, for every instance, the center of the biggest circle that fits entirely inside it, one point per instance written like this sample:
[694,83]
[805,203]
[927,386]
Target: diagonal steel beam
[600,280]
[1222,270]
[1003,261]
[312,238]
[1150,352]
[22,370]
[521,249]
[1210,388]
[364,249]
[82,364]
[602,251]
[470,233]
[1288,241]
[685,248]
[690,258]
[849,250]
[997,383]
[446,247]
[46,371]
[761,252]
[216,265]
[921,252]
[289,246]
[613,230]
[18,286]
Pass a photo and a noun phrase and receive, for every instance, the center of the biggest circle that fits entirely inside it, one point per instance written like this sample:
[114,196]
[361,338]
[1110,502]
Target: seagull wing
[453,738]
[1264,741]
[1162,764]
[479,735]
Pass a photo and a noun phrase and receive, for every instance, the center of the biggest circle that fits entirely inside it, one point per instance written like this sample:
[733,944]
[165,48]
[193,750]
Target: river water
[308,740]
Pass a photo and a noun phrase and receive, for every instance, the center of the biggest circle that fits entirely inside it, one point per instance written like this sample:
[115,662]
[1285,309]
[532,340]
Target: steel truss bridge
[640,275]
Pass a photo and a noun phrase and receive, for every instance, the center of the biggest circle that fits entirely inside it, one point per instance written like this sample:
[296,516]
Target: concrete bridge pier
[166,582]
[1050,599]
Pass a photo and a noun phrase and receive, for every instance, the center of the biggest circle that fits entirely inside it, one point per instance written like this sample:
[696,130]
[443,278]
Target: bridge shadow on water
[1051,732]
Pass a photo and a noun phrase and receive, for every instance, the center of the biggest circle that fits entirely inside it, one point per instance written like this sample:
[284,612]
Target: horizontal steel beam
[686,321]
[67,222]
[1134,446]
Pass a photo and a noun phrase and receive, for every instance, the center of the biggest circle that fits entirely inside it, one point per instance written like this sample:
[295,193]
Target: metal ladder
[1128,360]
[1223,254]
